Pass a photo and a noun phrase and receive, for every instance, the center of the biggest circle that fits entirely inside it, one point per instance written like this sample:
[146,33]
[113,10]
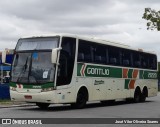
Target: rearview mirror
[55,55]
[4,56]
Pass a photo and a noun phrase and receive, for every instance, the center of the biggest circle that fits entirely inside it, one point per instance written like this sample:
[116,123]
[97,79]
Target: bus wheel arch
[144,94]
[82,98]
[137,94]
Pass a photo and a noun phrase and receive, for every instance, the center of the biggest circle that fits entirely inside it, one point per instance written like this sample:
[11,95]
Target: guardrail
[4,91]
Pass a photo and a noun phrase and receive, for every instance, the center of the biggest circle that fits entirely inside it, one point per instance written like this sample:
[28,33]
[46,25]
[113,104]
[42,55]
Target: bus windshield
[33,66]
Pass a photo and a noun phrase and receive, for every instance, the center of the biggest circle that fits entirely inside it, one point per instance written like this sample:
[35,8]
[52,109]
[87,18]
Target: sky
[115,20]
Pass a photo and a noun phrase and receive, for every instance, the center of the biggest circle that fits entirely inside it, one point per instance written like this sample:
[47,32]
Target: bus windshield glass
[37,43]
[33,68]
[32,61]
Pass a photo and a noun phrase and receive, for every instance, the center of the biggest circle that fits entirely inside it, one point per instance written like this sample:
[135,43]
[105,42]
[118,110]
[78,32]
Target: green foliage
[153,18]
[5,102]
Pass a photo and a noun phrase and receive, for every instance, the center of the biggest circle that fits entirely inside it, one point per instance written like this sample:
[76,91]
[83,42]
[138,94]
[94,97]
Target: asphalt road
[120,109]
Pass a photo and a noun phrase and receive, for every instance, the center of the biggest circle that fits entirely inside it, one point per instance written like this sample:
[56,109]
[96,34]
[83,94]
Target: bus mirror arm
[55,55]
[4,56]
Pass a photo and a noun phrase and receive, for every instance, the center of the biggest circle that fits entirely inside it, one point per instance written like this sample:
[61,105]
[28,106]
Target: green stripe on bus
[115,72]
[148,74]
[12,84]
[130,73]
[30,86]
[88,70]
[141,74]
[79,66]
[127,83]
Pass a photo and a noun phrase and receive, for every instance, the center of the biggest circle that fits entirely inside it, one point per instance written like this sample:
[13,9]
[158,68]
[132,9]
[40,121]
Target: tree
[153,18]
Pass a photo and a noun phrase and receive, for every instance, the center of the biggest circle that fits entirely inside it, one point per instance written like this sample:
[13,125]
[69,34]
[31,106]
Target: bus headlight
[13,88]
[47,89]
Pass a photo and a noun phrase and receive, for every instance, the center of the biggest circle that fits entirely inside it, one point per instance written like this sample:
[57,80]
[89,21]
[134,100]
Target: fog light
[47,89]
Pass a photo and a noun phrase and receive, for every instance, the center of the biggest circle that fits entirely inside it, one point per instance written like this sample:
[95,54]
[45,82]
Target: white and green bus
[70,69]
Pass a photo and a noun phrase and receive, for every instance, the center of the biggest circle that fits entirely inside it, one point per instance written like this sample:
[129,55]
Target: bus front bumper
[44,97]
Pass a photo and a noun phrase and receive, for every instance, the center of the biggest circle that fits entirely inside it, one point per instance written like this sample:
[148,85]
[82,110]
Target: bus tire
[82,98]
[137,95]
[144,94]
[42,105]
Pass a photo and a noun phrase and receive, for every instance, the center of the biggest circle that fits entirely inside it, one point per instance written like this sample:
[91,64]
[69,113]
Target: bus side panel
[112,89]
[65,95]
[103,89]
[106,88]
[152,87]
[120,91]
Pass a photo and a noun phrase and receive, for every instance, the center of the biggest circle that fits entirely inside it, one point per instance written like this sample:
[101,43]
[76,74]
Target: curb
[20,105]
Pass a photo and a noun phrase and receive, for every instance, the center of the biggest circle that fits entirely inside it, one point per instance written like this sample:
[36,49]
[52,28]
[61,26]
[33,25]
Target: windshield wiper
[24,67]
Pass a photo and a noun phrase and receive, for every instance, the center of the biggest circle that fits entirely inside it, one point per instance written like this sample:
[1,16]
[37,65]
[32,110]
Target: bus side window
[62,69]
[85,52]
[81,57]
[137,64]
[113,61]
[136,60]
[126,58]
[66,61]
[144,60]
[152,62]
[100,54]
[126,62]
[114,56]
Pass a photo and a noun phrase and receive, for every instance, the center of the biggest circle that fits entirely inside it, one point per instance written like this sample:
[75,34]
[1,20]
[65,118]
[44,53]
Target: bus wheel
[82,98]
[143,97]
[42,105]
[137,95]
[144,94]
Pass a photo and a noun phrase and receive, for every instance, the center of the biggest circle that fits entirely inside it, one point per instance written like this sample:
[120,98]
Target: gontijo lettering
[97,71]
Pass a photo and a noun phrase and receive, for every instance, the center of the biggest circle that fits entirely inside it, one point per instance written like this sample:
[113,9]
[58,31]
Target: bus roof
[92,39]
